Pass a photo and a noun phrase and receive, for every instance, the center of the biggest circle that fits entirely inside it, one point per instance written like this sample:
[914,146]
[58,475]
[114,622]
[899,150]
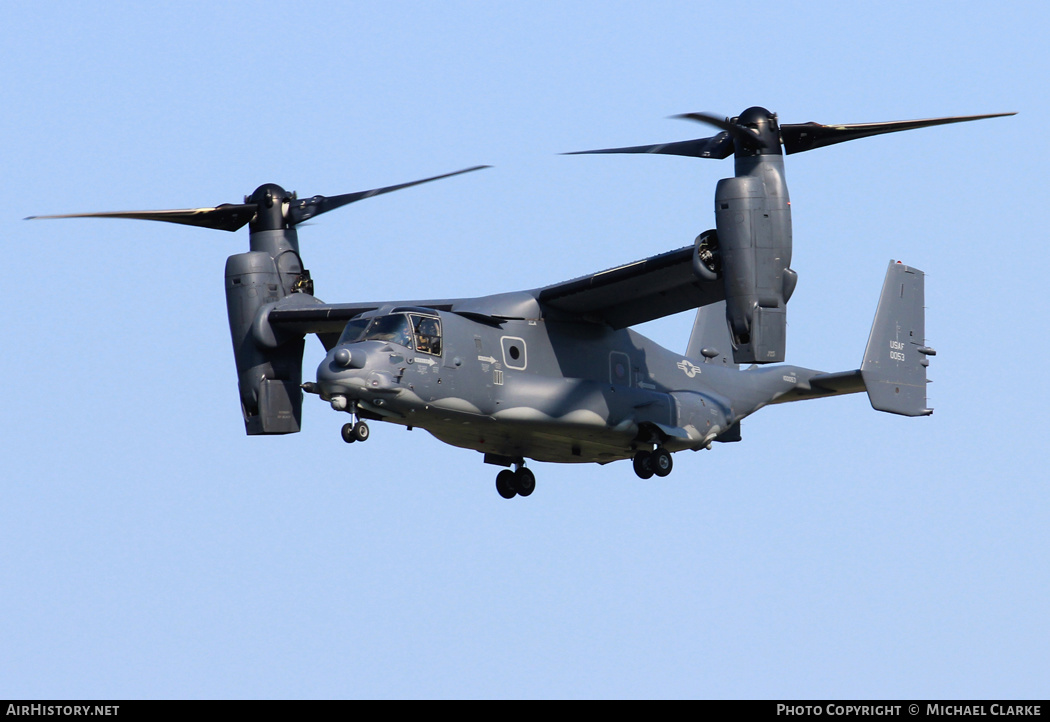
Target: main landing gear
[648,463]
[520,482]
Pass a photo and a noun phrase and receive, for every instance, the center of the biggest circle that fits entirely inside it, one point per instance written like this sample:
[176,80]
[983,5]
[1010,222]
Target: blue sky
[149,549]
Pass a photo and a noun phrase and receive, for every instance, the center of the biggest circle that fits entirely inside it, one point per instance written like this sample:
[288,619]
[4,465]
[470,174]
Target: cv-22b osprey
[556,373]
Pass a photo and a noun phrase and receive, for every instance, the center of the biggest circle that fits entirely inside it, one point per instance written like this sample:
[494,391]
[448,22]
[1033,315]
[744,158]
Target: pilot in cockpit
[428,336]
[404,335]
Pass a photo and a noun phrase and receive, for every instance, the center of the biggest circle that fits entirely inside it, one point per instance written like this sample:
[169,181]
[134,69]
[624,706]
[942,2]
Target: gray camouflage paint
[587,393]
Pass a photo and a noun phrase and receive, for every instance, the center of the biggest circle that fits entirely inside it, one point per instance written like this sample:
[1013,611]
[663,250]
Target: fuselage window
[619,368]
[428,334]
[515,355]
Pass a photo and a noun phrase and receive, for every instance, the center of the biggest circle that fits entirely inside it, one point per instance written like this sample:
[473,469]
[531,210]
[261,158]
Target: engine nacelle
[753,217]
[269,368]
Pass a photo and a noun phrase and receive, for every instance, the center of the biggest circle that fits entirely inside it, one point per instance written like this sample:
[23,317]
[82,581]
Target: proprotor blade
[269,198]
[753,132]
[799,137]
[227,217]
[301,210]
[718,146]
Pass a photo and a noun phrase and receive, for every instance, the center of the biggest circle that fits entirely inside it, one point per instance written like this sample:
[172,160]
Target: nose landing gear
[357,431]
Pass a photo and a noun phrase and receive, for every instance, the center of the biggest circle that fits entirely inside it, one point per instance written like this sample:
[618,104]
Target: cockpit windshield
[394,328]
[354,330]
[399,328]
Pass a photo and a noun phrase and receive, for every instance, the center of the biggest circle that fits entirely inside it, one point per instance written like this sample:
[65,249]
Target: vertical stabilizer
[895,360]
[710,337]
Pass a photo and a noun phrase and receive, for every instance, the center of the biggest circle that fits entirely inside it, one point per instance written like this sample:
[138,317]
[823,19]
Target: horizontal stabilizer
[821,385]
[895,360]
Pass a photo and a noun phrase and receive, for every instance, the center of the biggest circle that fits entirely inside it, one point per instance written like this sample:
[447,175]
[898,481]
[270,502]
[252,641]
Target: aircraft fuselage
[527,388]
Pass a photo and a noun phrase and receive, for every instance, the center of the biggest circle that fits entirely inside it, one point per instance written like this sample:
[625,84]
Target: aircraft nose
[346,370]
[338,370]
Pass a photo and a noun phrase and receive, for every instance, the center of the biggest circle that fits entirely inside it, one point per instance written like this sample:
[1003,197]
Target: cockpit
[423,333]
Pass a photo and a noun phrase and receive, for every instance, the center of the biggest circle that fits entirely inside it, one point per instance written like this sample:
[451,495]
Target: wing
[325,319]
[652,288]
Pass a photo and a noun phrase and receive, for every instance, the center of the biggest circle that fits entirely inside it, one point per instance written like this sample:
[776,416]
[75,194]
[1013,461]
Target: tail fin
[895,360]
[710,337]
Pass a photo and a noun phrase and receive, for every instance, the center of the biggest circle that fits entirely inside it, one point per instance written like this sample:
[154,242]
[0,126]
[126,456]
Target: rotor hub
[270,200]
[764,124]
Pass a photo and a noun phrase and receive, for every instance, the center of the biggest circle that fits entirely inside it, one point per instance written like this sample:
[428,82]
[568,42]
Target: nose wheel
[520,482]
[357,431]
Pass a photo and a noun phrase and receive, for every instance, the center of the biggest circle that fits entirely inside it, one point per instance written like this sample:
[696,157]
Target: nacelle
[269,369]
[753,217]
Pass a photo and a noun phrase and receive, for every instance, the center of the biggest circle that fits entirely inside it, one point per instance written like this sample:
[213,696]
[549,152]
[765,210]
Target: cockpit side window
[394,328]
[354,329]
[428,334]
